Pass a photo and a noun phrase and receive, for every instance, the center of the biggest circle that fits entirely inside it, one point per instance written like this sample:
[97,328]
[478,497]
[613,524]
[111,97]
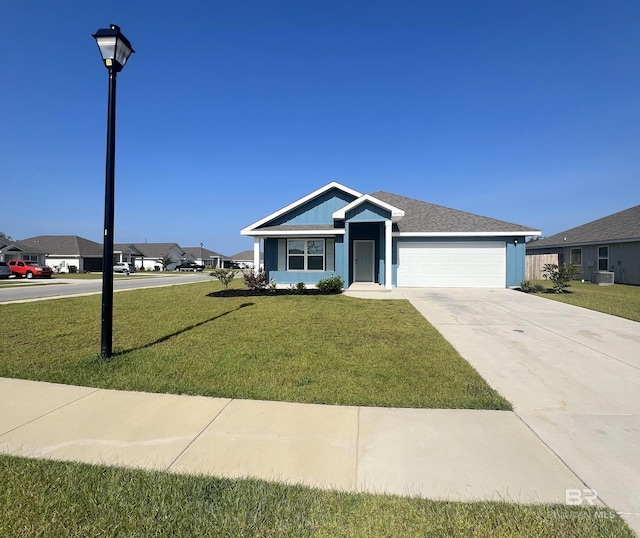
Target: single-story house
[68,251]
[389,240]
[150,255]
[19,250]
[205,257]
[245,259]
[610,244]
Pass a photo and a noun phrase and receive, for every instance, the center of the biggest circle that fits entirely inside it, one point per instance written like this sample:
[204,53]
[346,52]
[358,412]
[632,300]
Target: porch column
[256,254]
[388,226]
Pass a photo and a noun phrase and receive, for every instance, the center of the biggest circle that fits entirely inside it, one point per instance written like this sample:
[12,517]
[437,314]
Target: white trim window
[305,255]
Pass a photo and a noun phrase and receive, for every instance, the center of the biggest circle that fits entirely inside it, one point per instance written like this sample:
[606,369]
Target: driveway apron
[572,375]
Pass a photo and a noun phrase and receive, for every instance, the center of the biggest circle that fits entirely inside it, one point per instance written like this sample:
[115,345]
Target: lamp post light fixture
[115,50]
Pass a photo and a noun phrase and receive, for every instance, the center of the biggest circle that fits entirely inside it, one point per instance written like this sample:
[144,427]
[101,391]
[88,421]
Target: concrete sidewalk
[438,454]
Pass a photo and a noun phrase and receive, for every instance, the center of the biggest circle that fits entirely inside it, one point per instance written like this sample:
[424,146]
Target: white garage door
[452,264]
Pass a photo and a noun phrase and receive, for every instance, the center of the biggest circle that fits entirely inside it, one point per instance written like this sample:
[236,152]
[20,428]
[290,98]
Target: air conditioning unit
[602,278]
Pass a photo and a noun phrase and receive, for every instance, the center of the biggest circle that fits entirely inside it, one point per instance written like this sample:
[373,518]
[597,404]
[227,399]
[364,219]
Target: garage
[454,264]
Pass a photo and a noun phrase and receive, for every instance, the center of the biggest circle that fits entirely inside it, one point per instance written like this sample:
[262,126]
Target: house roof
[9,245]
[245,255]
[426,218]
[620,227]
[195,252]
[65,245]
[152,250]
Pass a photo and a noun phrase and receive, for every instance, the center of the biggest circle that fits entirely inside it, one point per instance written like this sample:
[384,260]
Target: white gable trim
[302,233]
[333,185]
[396,214]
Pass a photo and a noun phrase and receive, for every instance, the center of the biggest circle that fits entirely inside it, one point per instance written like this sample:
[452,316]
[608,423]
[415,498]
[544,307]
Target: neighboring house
[611,243]
[150,255]
[19,250]
[65,253]
[202,256]
[245,259]
[387,239]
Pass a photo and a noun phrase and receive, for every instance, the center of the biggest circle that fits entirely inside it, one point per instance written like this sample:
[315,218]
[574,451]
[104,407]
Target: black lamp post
[115,50]
[201,256]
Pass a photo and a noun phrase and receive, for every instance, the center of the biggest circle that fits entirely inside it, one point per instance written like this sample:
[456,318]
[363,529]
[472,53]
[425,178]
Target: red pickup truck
[30,269]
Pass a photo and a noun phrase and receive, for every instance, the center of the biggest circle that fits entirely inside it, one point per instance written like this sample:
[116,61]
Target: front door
[363,261]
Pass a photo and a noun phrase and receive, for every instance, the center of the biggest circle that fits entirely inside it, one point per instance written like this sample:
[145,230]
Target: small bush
[255,280]
[560,275]
[531,287]
[333,284]
[225,276]
[300,287]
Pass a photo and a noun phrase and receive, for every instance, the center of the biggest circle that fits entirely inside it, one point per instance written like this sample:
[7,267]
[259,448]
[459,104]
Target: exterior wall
[316,211]
[514,255]
[60,264]
[366,230]
[624,260]
[310,278]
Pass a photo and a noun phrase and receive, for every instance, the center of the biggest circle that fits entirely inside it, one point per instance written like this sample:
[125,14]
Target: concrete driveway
[572,375]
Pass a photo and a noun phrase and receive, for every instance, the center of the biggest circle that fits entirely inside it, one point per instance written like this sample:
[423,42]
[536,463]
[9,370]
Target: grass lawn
[328,349]
[620,300]
[47,498]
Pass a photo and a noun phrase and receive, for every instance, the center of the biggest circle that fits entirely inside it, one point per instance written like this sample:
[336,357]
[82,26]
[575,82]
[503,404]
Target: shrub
[225,276]
[333,284]
[560,275]
[297,288]
[531,287]
[255,280]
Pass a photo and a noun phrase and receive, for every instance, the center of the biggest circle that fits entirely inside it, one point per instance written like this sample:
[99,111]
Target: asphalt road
[40,289]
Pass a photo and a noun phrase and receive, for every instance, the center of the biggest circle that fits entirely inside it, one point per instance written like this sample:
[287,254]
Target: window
[603,258]
[305,255]
[576,256]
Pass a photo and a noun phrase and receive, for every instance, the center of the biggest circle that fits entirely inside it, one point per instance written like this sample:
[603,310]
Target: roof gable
[314,209]
[621,226]
[396,213]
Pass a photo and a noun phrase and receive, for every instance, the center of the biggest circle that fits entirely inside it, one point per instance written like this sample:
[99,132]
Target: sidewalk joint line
[199,435]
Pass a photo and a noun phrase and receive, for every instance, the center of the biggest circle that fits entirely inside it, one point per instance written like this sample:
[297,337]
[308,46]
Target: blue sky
[525,111]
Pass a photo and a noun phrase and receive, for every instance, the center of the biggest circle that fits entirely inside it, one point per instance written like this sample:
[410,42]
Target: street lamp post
[115,50]
[201,256]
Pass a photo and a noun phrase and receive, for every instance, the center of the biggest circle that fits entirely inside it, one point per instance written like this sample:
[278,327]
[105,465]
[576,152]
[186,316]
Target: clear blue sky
[525,111]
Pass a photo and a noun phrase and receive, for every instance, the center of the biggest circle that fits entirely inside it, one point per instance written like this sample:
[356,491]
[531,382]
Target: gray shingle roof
[245,255]
[195,252]
[9,245]
[621,226]
[426,217]
[65,245]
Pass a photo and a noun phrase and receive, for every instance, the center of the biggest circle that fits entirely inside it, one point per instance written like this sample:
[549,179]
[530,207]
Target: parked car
[30,269]
[189,266]
[124,267]
[5,270]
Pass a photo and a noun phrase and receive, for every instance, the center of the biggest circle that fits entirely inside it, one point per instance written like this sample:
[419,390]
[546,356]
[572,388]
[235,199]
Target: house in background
[387,239]
[68,253]
[611,244]
[245,259]
[20,250]
[150,255]
[205,257]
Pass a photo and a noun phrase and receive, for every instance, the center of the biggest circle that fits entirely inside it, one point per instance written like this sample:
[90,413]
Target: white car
[124,267]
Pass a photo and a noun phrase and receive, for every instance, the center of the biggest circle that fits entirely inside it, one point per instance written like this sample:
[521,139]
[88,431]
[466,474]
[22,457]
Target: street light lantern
[115,49]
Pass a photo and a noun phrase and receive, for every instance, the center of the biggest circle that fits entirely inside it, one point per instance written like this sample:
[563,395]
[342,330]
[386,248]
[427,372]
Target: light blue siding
[515,261]
[316,211]
[310,278]
[368,212]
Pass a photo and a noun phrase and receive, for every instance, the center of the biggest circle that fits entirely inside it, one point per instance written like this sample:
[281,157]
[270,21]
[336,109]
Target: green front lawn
[620,300]
[328,349]
[47,498]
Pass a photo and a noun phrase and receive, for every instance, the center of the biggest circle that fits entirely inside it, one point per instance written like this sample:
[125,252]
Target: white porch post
[388,226]
[256,254]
